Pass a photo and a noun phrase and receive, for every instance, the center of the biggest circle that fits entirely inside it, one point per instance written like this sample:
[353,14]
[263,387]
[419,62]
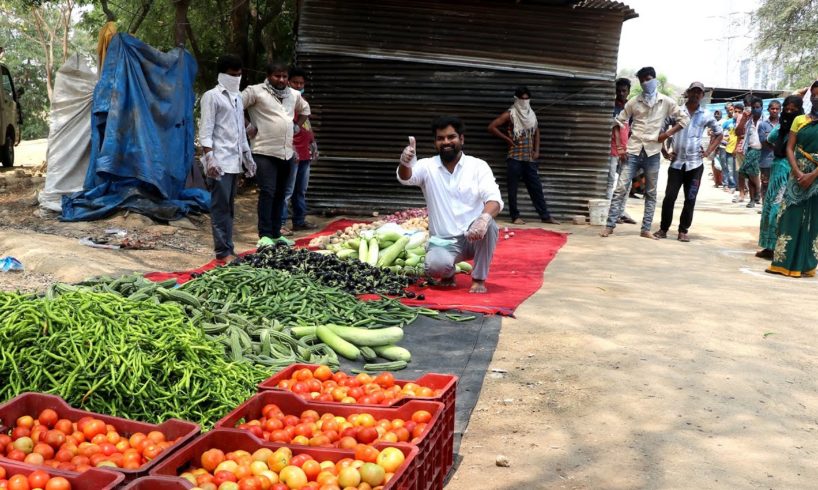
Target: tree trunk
[66,12]
[240,28]
[180,24]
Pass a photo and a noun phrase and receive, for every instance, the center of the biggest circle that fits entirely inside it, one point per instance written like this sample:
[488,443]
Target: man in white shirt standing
[462,198]
[224,141]
[648,112]
[272,106]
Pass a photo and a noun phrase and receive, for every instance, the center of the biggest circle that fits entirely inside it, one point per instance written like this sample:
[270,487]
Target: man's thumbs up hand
[409,155]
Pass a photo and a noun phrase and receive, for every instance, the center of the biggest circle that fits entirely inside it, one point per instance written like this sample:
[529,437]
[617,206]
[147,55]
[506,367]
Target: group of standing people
[263,131]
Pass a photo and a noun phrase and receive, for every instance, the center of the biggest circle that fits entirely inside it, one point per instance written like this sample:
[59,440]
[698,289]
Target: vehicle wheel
[7,151]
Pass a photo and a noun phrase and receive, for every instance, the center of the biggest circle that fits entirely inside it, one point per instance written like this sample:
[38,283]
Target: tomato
[65,426]
[44,450]
[48,418]
[222,476]
[372,474]
[34,458]
[58,483]
[303,374]
[38,479]
[156,436]
[366,453]
[322,373]
[19,482]
[94,427]
[19,432]
[367,435]
[421,416]
[26,422]
[390,459]
[54,438]
[211,459]
[418,430]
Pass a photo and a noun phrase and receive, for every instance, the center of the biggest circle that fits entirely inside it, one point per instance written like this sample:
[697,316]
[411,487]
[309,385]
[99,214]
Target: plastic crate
[228,440]
[431,446]
[158,483]
[93,479]
[33,403]
[445,382]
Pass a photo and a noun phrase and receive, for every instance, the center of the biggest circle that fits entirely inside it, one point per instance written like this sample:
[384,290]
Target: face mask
[301,91]
[649,87]
[230,82]
[757,112]
[522,105]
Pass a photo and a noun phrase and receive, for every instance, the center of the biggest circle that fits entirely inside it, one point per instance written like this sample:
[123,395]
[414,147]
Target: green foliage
[786,29]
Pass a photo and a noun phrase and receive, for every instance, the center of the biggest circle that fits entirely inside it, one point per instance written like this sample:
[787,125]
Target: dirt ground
[638,364]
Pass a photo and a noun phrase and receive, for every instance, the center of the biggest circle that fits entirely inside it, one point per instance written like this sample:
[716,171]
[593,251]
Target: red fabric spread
[516,273]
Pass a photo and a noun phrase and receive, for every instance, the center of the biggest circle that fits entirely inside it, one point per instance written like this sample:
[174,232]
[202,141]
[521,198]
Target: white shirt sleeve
[207,120]
[419,172]
[489,190]
[302,107]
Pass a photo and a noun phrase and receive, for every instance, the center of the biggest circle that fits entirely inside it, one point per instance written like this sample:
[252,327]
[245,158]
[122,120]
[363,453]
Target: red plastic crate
[93,479]
[34,403]
[445,382]
[159,483]
[430,458]
[229,440]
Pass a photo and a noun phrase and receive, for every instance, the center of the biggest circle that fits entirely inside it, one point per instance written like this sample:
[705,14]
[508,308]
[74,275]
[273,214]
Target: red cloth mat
[516,273]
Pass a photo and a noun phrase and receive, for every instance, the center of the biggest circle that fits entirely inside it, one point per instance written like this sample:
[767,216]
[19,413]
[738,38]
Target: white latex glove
[409,156]
[249,164]
[211,167]
[479,227]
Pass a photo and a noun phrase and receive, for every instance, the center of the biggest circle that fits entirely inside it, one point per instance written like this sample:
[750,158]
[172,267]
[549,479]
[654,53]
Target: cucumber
[385,366]
[368,337]
[368,354]
[300,332]
[337,344]
[393,353]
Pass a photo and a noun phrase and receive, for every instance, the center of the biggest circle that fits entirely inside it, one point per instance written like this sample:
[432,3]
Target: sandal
[518,221]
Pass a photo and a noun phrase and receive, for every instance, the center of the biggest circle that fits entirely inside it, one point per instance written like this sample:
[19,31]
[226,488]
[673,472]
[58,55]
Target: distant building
[729,28]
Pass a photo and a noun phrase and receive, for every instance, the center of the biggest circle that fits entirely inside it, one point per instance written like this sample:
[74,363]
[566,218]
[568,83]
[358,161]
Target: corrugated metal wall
[380,71]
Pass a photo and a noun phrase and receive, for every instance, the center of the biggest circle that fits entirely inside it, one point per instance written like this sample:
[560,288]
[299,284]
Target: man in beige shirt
[272,106]
[648,112]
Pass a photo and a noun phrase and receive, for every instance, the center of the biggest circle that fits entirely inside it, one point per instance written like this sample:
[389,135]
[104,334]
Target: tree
[786,30]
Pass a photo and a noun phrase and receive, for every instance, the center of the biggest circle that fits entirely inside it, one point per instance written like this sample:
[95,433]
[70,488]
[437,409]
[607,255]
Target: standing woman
[779,174]
[796,248]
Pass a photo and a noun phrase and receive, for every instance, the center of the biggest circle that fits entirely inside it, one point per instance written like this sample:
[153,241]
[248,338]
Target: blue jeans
[728,169]
[650,164]
[297,192]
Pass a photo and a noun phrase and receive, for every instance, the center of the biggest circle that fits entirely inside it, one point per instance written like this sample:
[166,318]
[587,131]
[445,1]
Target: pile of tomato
[328,430]
[76,446]
[266,469]
[325,386]
[35,480]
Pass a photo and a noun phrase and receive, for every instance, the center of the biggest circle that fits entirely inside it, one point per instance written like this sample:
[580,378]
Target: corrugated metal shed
[380,71]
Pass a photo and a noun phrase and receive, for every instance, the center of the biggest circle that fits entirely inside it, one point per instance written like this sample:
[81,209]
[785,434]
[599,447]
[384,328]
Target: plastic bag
[9,263]
[716,163]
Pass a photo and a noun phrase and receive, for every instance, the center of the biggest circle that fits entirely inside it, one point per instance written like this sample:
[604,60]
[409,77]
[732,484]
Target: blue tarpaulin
[142,136]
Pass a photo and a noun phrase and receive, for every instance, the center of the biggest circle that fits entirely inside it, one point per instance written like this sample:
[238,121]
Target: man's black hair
[275,66]
[297,71]
[774,102]
[739,106]
[646,71]
[623,82]
[444,122]
[228,62]
[522,90]
[717,112]
[756,100]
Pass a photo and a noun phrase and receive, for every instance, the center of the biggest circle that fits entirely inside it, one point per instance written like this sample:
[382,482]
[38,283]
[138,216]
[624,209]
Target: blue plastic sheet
[142,136]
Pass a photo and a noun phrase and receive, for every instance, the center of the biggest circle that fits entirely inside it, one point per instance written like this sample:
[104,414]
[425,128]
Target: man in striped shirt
[686,162]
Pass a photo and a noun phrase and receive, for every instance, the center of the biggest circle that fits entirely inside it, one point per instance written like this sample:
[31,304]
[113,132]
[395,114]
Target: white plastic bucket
[598,211]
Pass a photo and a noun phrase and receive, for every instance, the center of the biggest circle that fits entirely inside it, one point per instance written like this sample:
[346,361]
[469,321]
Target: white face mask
[230,82]
[522,104]
[649,87]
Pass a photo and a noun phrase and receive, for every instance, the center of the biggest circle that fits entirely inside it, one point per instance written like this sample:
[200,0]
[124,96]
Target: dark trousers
[272,175]
[676,178]
[528,172]
[222,210]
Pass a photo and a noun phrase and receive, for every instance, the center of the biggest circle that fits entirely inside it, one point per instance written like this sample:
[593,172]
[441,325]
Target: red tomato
[58,483]
[94,427]
[38,479]
[65,426]
[48,418]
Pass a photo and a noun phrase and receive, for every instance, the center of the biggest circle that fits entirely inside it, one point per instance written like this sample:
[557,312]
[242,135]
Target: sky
[677,38]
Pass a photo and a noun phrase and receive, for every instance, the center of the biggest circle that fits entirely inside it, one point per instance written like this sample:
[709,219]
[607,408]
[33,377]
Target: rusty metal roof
[379,72]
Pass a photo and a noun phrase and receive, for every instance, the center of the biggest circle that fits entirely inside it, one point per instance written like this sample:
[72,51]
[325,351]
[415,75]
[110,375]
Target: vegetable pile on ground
[351,276]
[408,220]
[108,354]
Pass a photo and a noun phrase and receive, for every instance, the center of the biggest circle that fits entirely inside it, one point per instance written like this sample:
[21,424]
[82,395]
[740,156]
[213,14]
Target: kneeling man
[462,198]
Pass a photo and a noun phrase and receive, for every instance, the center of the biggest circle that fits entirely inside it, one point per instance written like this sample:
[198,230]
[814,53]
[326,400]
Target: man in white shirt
[462,198]
[224,141]
[648,112]
[272,106]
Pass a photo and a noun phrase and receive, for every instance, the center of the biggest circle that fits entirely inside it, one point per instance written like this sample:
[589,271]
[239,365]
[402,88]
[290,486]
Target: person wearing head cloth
[686,162]
[779,174]
[796,246]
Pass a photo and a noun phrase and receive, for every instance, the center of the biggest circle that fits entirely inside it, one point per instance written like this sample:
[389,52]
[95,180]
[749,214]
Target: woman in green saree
[779,174]
[796,248]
